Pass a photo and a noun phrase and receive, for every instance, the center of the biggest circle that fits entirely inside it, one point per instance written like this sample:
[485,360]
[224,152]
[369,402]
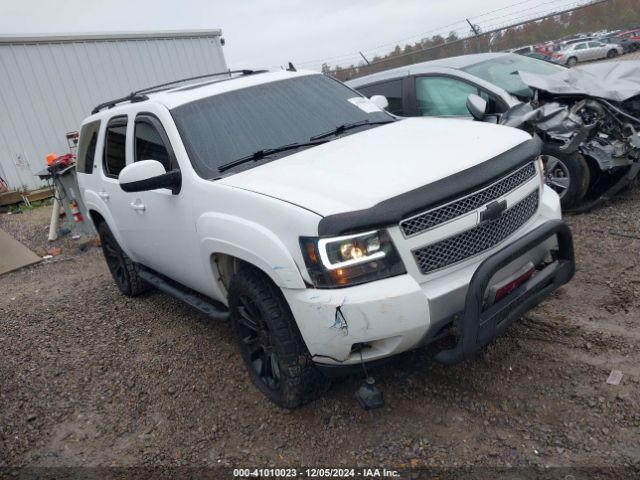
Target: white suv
[330,233]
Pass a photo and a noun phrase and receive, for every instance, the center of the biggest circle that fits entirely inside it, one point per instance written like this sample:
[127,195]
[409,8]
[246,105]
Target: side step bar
[193,299]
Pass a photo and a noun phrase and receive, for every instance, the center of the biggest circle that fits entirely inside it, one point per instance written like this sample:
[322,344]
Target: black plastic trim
[392,211]
[477,327]
[171,180]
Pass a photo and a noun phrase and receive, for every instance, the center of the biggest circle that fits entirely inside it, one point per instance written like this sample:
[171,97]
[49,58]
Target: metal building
[49,83]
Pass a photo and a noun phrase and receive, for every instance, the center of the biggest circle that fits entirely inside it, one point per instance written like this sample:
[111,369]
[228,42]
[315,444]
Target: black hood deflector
[393,210]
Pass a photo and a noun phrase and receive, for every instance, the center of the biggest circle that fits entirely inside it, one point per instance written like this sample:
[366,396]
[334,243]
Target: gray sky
[262,33]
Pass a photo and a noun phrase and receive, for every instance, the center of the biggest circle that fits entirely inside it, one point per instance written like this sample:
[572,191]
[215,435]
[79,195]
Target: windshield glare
[502,71]
[222,128]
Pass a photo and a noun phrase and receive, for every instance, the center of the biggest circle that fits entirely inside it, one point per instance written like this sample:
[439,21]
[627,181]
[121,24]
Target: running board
[194,300]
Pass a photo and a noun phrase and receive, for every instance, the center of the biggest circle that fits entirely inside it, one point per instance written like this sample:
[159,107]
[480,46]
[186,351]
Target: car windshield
[223,128]
[502,71]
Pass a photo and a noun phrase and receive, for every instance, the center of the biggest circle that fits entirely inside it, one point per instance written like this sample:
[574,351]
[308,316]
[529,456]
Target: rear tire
[612,53]
[273,350]
[572,62]
[123,270]
[567,174]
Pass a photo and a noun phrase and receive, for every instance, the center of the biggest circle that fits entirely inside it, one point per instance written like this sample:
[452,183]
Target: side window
[392,90]
[442,96]
[150,144]
[580,46]
[114,146]
[595,44]
[87,147]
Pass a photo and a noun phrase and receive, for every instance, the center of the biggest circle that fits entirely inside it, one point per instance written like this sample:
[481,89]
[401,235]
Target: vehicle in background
[532,49]
[628,45]
[631,34]
[442,87]
[565,43]
[538,56]
[586,51]
[307,216]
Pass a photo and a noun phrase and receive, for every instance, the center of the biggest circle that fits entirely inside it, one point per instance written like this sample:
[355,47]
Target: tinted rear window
[220,129]
[87,147]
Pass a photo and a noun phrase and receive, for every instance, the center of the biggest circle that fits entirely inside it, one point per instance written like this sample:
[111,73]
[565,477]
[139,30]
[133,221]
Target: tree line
[611,15]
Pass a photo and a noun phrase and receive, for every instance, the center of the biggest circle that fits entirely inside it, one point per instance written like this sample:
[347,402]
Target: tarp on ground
[13,254]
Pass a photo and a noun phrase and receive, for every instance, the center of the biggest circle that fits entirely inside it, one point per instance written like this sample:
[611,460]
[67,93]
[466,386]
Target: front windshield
[503,71]
[223,128]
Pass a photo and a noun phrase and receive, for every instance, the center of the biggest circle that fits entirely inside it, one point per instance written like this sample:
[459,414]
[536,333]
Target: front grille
[478,239]
[425,221]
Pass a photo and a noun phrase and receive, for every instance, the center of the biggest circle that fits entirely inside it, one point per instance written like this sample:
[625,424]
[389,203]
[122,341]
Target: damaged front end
[573,112]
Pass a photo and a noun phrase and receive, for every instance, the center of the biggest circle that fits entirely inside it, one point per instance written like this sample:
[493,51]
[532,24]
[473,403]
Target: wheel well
[96,218]
[225,266]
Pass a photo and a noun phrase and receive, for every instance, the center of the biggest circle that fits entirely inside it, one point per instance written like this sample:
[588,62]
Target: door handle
[137,205]
[103,195]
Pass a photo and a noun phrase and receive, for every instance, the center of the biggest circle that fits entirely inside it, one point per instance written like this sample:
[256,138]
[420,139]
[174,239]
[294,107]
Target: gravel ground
[31,227]
[89,377]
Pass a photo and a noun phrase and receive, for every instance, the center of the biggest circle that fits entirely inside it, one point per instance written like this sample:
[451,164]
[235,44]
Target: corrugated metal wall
[48,87]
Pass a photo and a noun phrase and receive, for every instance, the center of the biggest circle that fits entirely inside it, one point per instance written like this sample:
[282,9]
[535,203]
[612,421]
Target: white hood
[362,169]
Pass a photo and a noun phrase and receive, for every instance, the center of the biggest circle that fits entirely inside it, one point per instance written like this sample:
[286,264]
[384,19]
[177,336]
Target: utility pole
[364,58]
[476,31]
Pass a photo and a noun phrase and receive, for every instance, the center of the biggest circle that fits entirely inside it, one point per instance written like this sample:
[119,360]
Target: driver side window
[444,96]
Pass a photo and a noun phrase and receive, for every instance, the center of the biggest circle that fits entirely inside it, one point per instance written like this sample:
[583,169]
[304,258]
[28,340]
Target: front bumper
[401,313]
[478,326]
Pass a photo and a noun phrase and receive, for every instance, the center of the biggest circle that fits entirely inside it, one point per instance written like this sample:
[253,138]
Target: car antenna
[291,68]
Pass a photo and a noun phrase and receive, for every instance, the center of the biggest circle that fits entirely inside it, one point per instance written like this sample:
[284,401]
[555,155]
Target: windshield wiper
[348,126]
[260,154]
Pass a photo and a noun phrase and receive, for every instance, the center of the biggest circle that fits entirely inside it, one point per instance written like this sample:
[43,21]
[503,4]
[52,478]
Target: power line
[492,31]
[422,35]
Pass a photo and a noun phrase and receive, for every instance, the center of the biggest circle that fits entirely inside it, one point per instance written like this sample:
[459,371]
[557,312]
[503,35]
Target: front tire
[612,53]
[122,268]
[567,174]
[270,343]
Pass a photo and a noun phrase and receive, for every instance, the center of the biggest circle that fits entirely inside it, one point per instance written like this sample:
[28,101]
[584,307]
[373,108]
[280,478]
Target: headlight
[351,259]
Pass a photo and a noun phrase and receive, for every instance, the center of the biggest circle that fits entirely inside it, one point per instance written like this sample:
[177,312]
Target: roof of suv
[188,92]
[457,63]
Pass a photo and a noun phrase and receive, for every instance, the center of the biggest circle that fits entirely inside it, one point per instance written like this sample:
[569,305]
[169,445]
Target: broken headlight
[350,259]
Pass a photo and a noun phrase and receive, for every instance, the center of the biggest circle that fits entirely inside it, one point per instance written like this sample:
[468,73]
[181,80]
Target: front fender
[251,242]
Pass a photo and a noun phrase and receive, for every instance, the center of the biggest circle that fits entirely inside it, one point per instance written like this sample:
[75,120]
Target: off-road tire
[579,174]
[123,270]
[572,62]
[300,381]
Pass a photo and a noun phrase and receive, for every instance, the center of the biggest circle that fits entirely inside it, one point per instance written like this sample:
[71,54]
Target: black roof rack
[139,95]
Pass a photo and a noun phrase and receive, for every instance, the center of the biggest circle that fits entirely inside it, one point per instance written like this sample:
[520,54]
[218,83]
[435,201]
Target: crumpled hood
[362,169]
[617,81]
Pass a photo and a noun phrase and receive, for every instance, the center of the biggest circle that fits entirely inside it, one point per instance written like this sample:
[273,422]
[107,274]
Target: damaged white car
[587,116]
[329,233]
[594,112]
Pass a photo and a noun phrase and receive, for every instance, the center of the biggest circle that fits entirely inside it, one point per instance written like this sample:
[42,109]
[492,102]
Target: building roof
[107,36]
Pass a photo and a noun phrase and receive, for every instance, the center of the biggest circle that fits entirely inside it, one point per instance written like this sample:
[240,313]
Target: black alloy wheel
[256,344]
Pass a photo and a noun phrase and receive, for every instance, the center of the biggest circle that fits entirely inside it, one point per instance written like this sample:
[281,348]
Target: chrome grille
[425,221]
[476,240]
